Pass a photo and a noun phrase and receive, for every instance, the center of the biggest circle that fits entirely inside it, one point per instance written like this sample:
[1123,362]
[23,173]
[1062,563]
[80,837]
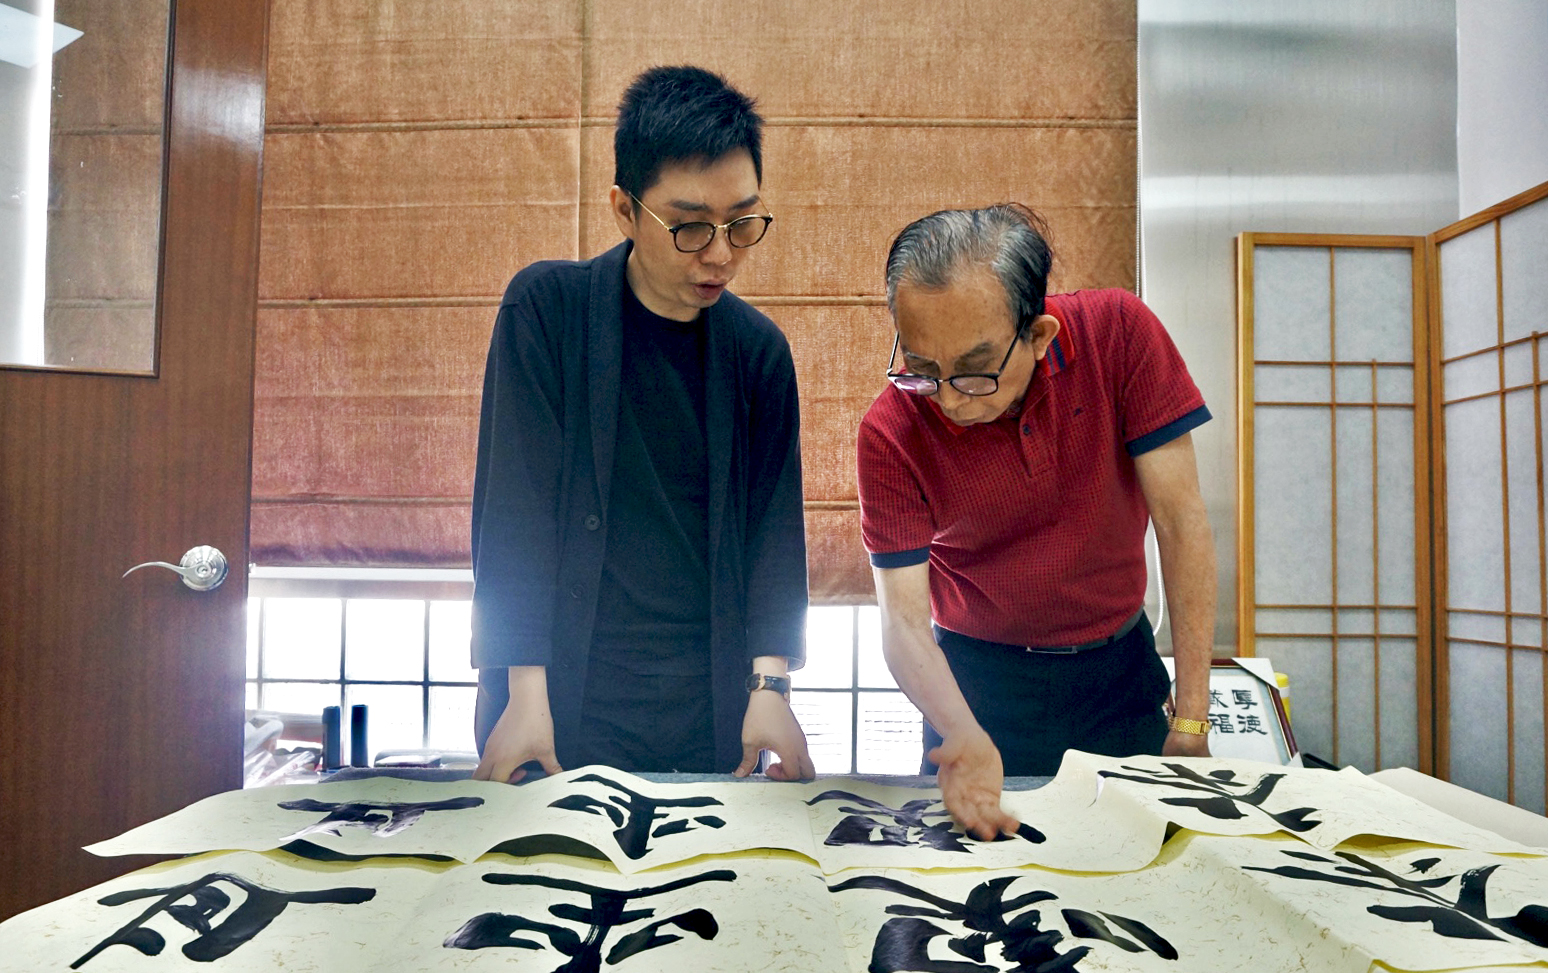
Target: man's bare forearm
[914,659]
[1188,569]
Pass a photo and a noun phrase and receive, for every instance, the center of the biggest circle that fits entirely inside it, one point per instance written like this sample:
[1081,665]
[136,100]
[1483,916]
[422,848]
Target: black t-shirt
[647,704]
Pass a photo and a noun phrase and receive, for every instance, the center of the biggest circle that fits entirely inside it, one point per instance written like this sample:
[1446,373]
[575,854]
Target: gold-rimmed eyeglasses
[741,233]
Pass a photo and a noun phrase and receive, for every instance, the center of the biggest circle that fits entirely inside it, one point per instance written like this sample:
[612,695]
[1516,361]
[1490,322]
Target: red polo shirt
[1034,524]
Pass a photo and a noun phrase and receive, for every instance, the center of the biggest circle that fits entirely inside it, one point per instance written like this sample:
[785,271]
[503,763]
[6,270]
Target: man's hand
[524,732]
[770,725]
[971,777]
[1179,744]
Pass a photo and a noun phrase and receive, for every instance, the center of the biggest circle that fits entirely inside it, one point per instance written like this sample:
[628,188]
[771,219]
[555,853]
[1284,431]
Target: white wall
[1502,100]
[1318,116]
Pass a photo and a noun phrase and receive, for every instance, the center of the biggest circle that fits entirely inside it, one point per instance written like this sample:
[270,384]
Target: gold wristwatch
[1196,727]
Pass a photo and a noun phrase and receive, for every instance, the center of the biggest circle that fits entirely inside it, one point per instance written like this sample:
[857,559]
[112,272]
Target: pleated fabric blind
[419,152]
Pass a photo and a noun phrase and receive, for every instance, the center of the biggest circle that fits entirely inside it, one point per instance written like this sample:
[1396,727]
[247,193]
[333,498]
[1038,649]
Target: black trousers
[1035,706]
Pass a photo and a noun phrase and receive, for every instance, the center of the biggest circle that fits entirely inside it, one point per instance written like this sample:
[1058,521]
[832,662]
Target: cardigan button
[593,521]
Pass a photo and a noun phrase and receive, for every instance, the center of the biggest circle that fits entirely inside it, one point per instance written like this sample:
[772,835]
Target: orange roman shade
[419,152]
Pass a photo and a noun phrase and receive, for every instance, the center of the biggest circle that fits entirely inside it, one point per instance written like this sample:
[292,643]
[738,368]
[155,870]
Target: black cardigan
[540,492]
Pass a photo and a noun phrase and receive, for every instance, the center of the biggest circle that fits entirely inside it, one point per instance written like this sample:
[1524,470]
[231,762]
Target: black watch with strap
[780,684]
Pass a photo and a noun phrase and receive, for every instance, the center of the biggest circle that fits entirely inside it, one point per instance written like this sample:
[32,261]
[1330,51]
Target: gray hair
[1008,238]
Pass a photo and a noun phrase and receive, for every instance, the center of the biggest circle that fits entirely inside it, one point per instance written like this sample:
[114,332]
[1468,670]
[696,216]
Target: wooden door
[121,698]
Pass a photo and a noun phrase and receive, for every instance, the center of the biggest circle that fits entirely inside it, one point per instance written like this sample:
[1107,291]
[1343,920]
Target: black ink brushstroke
[607,911]
[903,942]
[875,824]
[1087,925]
[1466,918]
[635,814]
[697,921]
[1147,936]
[1220,803]
[261,907]
[384,819]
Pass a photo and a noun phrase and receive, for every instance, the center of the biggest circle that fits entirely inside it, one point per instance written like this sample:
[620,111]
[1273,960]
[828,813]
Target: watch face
[757,681]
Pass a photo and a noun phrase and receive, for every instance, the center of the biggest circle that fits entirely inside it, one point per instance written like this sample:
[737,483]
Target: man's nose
[948,396]
[719,250]
[951,401]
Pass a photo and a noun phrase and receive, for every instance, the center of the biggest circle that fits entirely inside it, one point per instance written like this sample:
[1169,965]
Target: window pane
[451,717]
[829,648]
[251,699]
[254,609]
[891,735]
[451,630]
[301,638]
[384,639]
[299,697]
[874,673]
[395,719]
[826,719]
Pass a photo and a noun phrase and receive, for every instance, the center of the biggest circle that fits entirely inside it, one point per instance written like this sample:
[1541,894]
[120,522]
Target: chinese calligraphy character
[1224,795]
[383,819]
[903,943]
[1221,723]
[1215,700]
[1465,917]
[635,814]
[1244,698]
[260,907]
[900,827]
[1250,724]
[606,912]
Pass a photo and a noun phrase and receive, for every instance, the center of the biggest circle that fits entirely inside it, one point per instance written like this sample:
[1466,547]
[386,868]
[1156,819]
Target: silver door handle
[202,569]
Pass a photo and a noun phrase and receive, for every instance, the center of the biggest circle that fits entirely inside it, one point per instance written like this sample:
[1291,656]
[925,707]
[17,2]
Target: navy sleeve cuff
[901,559]
[1168,432]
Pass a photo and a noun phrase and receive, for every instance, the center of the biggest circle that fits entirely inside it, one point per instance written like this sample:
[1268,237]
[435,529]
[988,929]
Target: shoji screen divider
[1334,488]
[1490,291]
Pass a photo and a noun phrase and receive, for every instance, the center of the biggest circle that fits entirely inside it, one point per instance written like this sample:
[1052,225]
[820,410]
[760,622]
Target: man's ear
[621,205]
[1045,327]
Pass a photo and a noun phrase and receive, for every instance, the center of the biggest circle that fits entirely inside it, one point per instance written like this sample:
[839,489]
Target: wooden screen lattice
[1333,481]
[1491,297]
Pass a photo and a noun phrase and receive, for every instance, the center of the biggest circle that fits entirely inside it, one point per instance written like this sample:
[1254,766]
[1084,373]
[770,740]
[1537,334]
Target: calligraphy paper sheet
[249,911]
[1100,814]
[1265,904]
[1235,797]
[725,915]
[238,911]
[1261,904]
[375,816]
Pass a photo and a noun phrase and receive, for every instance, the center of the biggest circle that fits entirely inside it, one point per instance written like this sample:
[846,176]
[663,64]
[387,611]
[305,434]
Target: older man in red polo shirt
[1007,503]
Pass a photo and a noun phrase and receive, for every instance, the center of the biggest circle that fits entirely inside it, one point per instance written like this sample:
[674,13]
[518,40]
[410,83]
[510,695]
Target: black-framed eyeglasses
[968,383]
[693,237]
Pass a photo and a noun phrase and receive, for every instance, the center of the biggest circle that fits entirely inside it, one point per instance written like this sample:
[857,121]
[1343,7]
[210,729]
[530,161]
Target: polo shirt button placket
[1030,449]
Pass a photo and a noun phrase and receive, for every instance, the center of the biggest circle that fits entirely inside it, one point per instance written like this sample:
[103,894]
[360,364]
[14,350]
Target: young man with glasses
[639,550]
[1005,506]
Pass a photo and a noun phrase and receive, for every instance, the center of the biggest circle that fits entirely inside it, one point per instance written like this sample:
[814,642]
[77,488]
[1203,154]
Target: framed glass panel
[82,107]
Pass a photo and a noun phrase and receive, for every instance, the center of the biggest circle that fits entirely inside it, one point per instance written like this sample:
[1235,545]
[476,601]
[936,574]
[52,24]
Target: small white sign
[1245,712]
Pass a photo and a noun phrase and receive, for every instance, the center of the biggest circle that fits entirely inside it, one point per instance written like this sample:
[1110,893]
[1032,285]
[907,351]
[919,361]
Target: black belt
[1123,630]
